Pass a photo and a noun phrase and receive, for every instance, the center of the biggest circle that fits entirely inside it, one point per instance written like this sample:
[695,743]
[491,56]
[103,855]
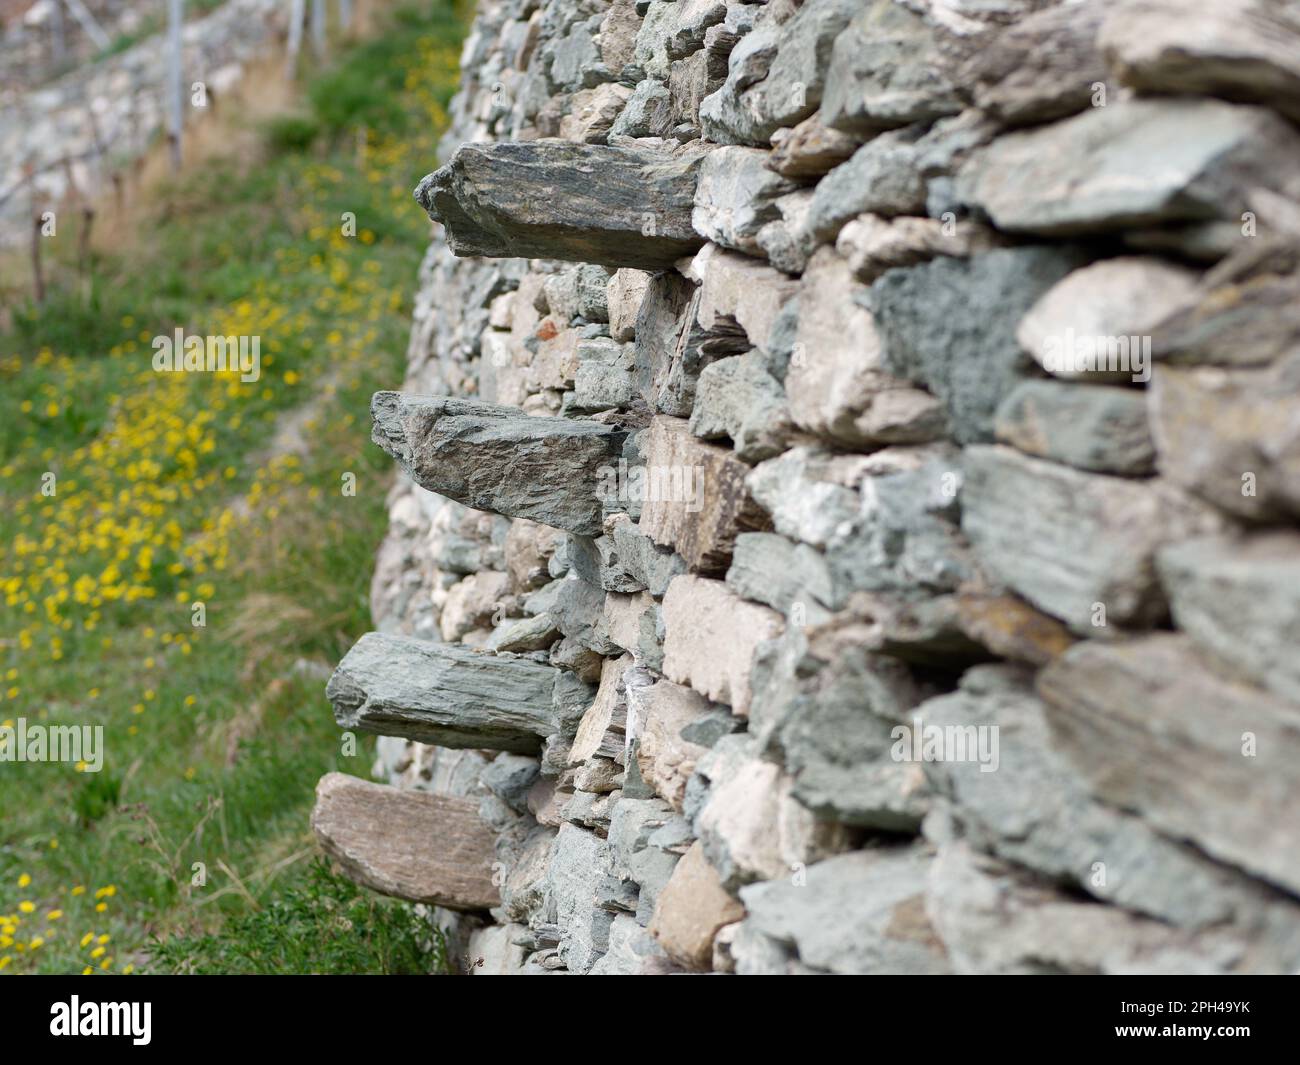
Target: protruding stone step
[499,459]
[581,202]
[409,844]
[447,694]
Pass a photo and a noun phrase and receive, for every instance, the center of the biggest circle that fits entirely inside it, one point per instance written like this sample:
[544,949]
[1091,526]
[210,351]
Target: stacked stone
[802,267]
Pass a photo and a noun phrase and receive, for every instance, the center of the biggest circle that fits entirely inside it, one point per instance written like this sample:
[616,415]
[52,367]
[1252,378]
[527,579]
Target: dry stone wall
[851,458]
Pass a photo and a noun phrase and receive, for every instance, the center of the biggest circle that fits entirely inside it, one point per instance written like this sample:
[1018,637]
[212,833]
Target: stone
[666,759]
[632,622]
[538,199]
[860,913]
[810,494]
[1240,601]
[650,566]
[970,364]
[606,376]
[445,694]
[626,289]
[594,113]
[509,777]
[994,919]
[497,458]
[492,953]
[618,33]
[1073,542]
[711,634]
[648,112]
[872,244]
[528,550]
[775,74]
[432,849]
[827,707]
[1090,173]
[1199,758]
[737,399]
[738,294]
[1032,808]
[810,149]
[1100,428]
[736,196]
[691,909]
[888,69]
[1238,49]
[789,577]
[633,951]
[881,177]
[471,603]
[1043,67]
[579,861]
[1231,436]
[836,382]
[1245,312]
[1117,303]
[670,345]
[600,733]
[525,634]
[735,813]
[695,499]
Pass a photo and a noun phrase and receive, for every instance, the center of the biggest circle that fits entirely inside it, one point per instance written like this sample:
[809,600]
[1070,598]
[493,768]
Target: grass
[136,504]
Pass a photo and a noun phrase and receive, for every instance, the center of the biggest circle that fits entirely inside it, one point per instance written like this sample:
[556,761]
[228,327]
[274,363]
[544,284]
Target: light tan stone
[691,909]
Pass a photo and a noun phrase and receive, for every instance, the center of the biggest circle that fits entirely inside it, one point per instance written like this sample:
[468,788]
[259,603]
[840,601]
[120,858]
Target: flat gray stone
[498,458]
[540,199]
[445,694]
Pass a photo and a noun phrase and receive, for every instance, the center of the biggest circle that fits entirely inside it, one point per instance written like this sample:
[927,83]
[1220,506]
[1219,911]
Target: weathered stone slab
[711,634]
[695,496]
[1200,758]
[1092,172]
[1032,808]
[1237,49]
[555,200]
[994,919]
[498,458]
[1091,427]
[691,908]
[1071,542]
[1239,599]
[738,399]
[789,577]
[860,913]
[413,845]
[445,694]
[600,733]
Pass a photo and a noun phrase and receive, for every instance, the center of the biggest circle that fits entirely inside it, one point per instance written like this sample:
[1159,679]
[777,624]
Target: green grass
[191,850]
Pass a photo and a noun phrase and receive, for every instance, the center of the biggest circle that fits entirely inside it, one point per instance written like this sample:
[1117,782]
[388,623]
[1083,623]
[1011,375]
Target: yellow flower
[106,962]
[24,880]
[5,961]
[85,940]
[128,969]
[37,941]
[97,952]
[87,971]
[26,907]
[104,938]
[101,907]
[54,915]
[80,889]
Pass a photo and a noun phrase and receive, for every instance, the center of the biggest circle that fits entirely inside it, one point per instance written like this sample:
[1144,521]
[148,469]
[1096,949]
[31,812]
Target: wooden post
[175,90]
[297,12]
[318,27]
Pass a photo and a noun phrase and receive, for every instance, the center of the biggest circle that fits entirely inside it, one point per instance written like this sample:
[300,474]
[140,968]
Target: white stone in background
[1114,298]
[471,603]
[710,638]
[491,952]
[625,293]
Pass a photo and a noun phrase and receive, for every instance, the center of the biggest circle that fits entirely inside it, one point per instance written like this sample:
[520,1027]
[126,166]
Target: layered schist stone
[1154,731]
[581,202]
[446,694]
[433,849]
[498,458]
[1090,172]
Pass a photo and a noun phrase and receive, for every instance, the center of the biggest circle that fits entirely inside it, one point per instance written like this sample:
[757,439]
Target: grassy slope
[169,493]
